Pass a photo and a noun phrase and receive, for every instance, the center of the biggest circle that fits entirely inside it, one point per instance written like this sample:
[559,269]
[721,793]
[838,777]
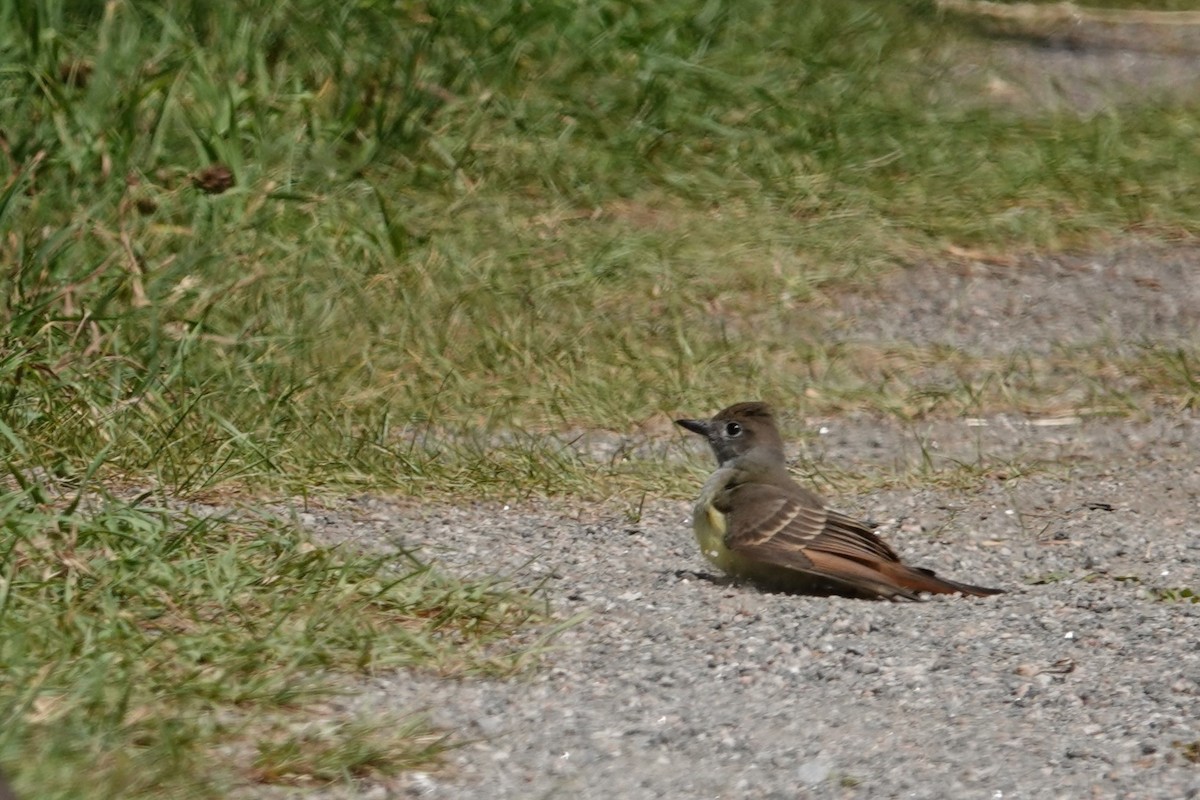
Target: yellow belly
[711,526]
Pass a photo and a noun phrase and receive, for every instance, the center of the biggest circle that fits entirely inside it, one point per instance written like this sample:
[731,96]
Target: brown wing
[791,528]
[772,520]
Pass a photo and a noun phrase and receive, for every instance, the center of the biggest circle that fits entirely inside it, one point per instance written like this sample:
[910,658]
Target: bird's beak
[694,425]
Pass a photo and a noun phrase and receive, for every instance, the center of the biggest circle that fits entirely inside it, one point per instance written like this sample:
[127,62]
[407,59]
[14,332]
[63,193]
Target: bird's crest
[753,409]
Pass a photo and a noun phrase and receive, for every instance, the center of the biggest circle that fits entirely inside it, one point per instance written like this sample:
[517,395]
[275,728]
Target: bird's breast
[710,526]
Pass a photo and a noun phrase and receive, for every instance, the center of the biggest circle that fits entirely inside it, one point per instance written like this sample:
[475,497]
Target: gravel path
[1080,682]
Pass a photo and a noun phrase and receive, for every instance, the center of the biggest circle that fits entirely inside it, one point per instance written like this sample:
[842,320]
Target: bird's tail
[916,579]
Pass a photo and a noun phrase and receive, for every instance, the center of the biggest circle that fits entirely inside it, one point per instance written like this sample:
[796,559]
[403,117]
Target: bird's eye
[733,429]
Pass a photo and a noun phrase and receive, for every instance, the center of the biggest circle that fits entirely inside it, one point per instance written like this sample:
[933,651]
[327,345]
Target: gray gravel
[1059,60]
[1080,682]
[1116,302]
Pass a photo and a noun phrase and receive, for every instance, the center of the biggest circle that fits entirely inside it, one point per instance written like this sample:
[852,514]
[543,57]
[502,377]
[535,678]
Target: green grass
[1178,595]
[1189,750]
[457,233]
[139,644]
[1134,5]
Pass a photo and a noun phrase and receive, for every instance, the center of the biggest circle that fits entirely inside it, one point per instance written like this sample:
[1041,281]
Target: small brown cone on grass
[214,179]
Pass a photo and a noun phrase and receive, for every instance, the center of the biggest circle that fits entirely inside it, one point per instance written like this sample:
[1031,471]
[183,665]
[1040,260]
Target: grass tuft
[139,641]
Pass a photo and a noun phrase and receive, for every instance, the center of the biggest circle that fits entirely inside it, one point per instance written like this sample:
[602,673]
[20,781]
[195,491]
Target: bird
[754,522]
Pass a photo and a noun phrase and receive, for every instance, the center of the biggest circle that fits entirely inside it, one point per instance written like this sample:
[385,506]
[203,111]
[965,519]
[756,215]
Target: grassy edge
[145,645]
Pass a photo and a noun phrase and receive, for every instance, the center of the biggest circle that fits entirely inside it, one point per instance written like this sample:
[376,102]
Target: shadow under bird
[754,522]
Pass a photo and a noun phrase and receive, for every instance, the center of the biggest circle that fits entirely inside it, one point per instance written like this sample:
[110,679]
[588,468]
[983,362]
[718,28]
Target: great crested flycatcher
[754,522]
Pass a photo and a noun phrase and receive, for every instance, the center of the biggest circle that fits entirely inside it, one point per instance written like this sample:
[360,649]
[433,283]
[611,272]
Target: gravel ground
[1115,302]
[1067,63]
[1079,682]
[1082,681]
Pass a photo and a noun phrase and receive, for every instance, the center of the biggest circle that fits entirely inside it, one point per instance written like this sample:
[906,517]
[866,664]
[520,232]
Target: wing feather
[771,520]
[787,528]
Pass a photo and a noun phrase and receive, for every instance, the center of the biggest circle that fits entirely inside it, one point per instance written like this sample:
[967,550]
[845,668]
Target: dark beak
[694,425]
